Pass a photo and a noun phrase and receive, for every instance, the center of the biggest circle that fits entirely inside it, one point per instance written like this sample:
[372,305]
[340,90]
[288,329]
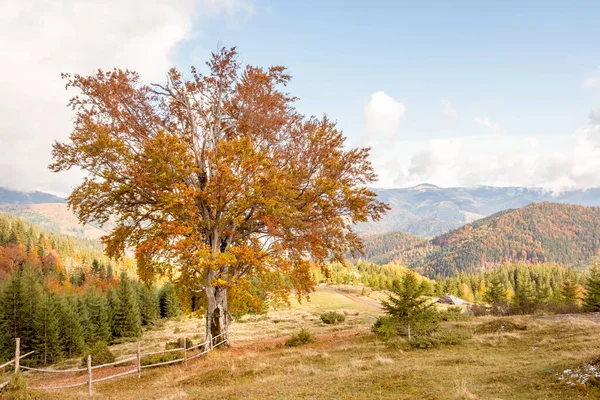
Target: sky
[452,93]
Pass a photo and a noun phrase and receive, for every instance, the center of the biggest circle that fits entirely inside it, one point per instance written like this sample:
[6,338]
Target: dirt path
[367,301]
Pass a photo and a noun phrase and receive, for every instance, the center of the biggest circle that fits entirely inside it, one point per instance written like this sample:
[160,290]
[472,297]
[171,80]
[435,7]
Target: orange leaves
[216,178]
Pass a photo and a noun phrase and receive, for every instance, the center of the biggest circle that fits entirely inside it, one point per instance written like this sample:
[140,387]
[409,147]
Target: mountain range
[427,210]
[538,233]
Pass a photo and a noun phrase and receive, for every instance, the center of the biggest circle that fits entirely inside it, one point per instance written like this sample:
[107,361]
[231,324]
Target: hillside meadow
[347,361]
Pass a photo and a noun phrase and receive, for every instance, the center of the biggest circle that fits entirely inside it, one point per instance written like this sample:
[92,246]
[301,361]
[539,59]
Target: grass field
[347,362]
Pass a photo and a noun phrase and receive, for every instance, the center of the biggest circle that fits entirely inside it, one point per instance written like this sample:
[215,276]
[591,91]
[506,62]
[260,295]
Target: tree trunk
[409,331]
[218,317]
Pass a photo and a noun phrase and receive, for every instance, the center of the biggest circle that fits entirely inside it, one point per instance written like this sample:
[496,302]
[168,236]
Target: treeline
[540,233]
[59,256]
[377,277]
[526,289]
[508,289]
[56,322]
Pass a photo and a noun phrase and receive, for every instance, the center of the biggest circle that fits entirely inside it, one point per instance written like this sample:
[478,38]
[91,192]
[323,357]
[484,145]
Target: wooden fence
[136,361]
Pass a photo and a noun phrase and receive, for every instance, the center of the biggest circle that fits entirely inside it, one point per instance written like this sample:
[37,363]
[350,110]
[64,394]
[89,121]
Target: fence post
[89,368]
[185,351]
[139,360]
[17,354]
[210,341]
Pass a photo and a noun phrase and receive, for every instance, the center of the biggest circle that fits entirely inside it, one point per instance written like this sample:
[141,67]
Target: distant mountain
[428,210]
[538,233]
[49,212]
[8,196]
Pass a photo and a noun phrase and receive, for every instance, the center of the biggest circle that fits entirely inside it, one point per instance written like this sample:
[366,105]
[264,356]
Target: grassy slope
[347,362]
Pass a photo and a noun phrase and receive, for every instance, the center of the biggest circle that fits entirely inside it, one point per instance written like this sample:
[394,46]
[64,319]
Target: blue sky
[453,93]
[522,64]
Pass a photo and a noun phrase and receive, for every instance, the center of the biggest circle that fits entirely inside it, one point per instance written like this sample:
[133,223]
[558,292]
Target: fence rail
[205,347]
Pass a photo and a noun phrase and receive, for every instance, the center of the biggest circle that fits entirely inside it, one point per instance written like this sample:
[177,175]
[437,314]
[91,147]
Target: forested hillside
[61,295]
[384,248]
[539,233]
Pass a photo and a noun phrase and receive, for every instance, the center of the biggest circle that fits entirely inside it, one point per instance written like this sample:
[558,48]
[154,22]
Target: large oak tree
[215,178]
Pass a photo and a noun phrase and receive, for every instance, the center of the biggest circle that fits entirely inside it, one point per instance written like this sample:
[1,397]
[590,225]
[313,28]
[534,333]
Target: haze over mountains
[427,210]
[48,211]
[424,210]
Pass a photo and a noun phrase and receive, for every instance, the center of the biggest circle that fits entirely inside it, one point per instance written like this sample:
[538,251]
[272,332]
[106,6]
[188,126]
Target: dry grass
[346,362]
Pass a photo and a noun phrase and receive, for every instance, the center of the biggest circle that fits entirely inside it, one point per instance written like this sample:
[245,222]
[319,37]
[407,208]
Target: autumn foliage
[216,179]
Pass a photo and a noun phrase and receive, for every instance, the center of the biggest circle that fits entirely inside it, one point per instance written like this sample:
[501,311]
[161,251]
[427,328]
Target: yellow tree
[215,178]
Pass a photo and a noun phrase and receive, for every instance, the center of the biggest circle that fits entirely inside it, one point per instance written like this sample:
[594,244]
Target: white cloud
[39,40]
[556,163]
[383,114]
[485,122]
[593,81]
[448,110]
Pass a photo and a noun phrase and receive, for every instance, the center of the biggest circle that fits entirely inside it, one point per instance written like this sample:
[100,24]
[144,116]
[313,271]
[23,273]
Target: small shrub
[424,342]
[440,337]
[178,344]
[332,317]
[453,336]
[17,390]
[384,329]
[477,310]
[159,358]
[300,338]
[453,314]
[499,325]
[100,353]
[17,383]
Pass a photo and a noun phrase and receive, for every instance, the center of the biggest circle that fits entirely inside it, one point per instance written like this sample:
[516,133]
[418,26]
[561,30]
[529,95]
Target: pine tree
[71,332]
[127,319]
[523,301]
[32,294]
[543,293]
[46,343]
[169,305]
[406,304]
[495,295]
[98,316]
[84,321]
[591,301]
[570,297]
[96,268]
[12,303]
[149,303]
[112,302]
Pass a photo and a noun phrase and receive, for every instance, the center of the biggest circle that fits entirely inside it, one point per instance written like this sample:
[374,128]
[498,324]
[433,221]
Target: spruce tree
[523,302]
[406,305]
[591,301]
[112,302]
[495,295]
[127,319]
[543,293]
[32,294]
[98,316]
[149,303]
[12,304]
[71,332]
[47,343]
[169,305]
[84,321]
[570,297]
[96,267]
